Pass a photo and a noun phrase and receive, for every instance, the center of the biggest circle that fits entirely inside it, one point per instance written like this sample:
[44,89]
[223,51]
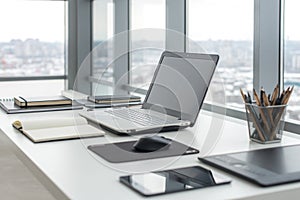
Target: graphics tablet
[266,167]
[174,180]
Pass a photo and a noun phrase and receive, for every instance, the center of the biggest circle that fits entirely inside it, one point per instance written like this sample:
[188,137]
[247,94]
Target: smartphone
[174,180]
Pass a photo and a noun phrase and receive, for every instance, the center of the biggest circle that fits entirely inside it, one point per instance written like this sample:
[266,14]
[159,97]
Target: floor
[16,180]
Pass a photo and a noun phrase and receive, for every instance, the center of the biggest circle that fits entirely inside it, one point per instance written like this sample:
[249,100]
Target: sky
[220,19]
[213,19]
[46,17]
[208,19]
[233,19]
[292,16]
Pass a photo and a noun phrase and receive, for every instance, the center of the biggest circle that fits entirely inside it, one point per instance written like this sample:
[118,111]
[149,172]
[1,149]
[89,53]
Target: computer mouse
[151,143]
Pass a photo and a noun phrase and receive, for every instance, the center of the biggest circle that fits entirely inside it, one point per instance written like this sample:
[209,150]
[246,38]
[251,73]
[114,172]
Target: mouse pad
[124,152]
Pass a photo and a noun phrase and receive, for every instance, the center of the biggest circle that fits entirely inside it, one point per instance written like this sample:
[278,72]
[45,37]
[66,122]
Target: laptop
[173,100]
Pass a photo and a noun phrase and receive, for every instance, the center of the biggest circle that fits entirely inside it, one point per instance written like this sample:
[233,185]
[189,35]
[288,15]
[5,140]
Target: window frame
[268,44]
[50,77]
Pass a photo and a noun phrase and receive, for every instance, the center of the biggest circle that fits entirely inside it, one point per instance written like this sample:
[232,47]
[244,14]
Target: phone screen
[174,180]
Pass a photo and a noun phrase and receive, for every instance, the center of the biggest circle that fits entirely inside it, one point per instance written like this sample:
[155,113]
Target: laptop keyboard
[139,117]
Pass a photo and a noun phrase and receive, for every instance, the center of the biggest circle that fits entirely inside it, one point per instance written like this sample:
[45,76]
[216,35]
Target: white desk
[79,174]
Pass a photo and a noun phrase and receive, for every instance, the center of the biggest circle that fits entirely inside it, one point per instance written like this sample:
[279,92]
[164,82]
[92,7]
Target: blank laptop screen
[180,85]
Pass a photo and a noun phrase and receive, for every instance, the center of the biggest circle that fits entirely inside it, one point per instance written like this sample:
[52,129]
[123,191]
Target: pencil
[256,123]
[269,110]
[274,95]
[256,98]
[265,121]
[253,115]
[243,95]
[265,99]
[287,96]
[279,113]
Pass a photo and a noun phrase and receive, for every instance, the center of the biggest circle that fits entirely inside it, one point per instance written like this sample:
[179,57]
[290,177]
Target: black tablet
[266,167]
[174,180]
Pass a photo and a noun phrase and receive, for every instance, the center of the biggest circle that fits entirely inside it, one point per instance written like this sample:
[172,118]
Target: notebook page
[52,122]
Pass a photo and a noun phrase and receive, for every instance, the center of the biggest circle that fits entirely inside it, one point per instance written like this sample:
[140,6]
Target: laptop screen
[180,83]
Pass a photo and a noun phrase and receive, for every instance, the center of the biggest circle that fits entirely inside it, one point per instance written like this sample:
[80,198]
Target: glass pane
[103,22]
[31,88]
[292,55]
[225,28]
[148,22]
[32,39]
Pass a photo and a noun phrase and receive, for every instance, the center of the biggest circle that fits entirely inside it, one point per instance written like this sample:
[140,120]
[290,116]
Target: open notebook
[45,130]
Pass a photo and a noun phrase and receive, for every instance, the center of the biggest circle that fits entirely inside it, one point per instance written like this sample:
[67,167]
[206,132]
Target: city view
[32,57]
[235,69]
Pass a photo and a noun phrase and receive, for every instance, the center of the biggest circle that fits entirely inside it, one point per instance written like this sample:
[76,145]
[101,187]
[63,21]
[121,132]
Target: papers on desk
[44,130]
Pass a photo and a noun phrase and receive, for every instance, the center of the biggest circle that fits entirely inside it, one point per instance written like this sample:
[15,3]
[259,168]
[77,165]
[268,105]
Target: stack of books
[114,99]
[22,104]
[42,101]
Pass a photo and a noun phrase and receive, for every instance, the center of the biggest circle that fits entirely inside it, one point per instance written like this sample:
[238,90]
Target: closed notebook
[44,130]
[42,101]
[106,99]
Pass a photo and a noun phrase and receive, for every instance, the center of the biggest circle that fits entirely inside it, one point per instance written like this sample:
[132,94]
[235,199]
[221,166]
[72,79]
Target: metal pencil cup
[265,123]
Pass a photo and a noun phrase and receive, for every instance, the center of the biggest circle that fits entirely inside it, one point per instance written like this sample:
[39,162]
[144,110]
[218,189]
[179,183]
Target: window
[32,43]
[247,40]
[147,39]
[292,55]
[102,44]
[10,89]
[225,28]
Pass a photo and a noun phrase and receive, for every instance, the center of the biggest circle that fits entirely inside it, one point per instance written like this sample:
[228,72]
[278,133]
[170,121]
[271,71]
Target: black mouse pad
[124,152]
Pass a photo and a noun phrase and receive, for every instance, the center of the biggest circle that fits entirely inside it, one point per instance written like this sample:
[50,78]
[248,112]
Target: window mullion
[79,45]
[267,36]
[121,44]
[176,25]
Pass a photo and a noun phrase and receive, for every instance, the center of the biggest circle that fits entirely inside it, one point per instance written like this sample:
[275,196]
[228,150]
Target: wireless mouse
[151,143]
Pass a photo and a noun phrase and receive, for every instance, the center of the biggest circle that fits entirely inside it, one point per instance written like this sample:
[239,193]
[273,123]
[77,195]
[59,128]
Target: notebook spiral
[6,99]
